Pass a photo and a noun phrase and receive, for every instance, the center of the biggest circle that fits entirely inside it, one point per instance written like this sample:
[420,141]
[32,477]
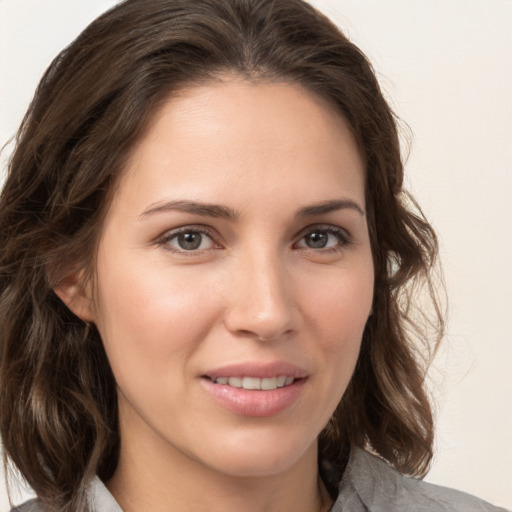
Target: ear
[76,295]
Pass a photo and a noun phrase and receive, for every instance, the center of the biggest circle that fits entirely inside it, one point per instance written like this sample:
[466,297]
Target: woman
[206,264]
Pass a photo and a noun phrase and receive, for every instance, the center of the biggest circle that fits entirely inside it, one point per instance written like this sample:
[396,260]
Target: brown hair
[58,404]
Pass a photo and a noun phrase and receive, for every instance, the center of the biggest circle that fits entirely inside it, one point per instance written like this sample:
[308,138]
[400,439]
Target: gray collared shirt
[368,485]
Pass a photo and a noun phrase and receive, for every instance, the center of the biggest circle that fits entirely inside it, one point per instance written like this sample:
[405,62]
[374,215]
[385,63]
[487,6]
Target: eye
[188,240]
[323,238]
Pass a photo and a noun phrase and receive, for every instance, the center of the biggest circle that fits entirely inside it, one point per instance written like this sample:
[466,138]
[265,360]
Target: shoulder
[370,484]
[29,506]
[98,497]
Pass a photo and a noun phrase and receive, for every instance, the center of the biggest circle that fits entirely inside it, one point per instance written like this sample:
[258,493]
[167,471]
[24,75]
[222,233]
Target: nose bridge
[261,303]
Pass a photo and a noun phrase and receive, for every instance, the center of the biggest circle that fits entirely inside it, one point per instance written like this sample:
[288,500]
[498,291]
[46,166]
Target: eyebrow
[197,208]
[224,212]
[330,206]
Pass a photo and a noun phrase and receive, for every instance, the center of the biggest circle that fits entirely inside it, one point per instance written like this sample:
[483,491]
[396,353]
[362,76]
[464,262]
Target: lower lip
[255,403]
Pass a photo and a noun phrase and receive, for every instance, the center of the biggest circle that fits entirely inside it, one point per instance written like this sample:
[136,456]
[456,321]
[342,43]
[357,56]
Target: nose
[261,302]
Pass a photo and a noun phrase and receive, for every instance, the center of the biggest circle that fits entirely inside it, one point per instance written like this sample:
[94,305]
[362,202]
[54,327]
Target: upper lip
[258,370]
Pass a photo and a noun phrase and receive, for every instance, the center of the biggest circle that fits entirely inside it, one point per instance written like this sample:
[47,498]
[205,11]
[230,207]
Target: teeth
[267,383]
[251,383]
[235,382]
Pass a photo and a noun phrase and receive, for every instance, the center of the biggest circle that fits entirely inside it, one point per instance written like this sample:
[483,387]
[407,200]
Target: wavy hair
[58,403]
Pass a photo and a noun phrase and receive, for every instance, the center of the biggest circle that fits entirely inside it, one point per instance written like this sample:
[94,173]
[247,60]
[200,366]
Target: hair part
[58,405]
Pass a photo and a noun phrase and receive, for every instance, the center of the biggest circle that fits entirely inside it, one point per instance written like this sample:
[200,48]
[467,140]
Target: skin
[254,291]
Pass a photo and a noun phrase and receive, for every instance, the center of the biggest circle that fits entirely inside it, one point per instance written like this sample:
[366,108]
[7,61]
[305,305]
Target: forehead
[233,133]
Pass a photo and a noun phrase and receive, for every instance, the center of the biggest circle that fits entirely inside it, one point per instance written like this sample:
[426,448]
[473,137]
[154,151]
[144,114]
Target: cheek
[340,310]
[337,313]
[150,315]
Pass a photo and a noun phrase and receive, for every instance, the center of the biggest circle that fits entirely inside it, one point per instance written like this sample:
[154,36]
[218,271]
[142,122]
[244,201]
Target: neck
[175,481]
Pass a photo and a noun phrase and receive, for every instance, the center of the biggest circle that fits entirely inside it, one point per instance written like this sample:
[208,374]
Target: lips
[256,389]
[259,370]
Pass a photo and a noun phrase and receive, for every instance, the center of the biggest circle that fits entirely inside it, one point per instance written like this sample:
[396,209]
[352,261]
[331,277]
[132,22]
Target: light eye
[190,240]
[323,238]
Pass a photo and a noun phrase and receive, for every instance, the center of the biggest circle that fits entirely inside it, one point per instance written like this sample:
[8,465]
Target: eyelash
[342,236]
[169,236]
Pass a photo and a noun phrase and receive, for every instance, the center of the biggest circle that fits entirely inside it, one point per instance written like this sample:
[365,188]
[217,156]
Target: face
[235,277]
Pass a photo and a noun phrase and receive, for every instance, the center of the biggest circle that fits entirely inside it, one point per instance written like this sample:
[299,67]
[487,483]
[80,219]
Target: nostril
[262,320]
[272,337]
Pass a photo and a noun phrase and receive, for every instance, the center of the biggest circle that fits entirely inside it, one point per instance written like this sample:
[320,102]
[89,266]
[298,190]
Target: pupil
[189,241]
[317,240]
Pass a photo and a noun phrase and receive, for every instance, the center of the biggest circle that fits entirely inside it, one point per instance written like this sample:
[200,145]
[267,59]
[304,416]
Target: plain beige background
[446,67]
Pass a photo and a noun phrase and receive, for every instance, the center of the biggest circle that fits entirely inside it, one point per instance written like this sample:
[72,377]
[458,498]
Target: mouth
[255,396]
[255,383]
[255,388]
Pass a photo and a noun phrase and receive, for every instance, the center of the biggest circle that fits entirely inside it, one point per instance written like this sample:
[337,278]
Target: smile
[251,383]
[255,396]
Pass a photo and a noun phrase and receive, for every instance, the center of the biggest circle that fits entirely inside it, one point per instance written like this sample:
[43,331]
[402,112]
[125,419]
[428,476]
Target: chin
[260,455]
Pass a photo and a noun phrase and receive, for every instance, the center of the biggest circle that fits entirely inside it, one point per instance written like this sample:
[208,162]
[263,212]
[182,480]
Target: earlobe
[76,296]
